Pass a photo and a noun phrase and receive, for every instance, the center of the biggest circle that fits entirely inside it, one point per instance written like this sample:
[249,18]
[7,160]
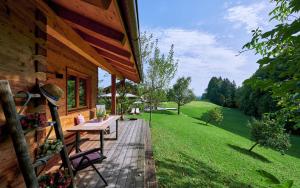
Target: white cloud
[202,56]
[249,16]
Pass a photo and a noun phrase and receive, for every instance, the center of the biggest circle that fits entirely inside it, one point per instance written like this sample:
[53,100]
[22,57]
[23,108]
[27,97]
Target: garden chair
[84,159]
[137,111]
[132,111]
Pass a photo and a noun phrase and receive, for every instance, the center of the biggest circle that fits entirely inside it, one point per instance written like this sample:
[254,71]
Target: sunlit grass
[191,154]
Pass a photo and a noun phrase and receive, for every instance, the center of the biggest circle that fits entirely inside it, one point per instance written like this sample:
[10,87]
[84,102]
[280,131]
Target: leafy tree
[221,91]
[269,132]
[180,93]
[213,116]
[255,101]
[280,51]
[159,70]
[124,101]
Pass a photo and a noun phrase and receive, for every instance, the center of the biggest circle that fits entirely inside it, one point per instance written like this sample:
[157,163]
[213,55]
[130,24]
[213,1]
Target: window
[77,90]
[82,92]
[71,92]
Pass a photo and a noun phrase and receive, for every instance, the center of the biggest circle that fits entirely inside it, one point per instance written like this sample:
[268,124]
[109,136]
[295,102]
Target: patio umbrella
[128,95]
[138,102]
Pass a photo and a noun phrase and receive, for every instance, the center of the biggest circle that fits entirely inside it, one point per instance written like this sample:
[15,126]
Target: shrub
[213,116]
[270,133]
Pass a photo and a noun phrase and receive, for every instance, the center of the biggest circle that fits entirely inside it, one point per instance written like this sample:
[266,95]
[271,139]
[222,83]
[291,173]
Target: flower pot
[100,119]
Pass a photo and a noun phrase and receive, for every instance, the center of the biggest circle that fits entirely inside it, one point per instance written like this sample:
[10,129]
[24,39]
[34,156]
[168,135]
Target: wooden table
[94,126]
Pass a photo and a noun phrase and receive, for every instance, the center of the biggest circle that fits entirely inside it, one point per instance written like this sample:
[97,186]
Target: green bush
[214,116]
[270,133]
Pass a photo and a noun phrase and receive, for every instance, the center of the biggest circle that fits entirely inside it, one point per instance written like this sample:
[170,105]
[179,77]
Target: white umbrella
[128,95]
[138,102]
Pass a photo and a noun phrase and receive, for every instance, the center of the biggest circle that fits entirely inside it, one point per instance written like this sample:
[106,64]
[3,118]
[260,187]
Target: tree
[280,51]
[213,116]
[180,93]
[270,133]
[221,91]
[159,69]
[123,100]
[256,101]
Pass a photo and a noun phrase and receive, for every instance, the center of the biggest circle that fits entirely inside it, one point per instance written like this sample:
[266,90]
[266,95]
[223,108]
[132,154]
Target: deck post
[113,94]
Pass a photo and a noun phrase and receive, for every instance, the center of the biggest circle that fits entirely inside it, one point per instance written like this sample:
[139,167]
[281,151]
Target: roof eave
[129,11]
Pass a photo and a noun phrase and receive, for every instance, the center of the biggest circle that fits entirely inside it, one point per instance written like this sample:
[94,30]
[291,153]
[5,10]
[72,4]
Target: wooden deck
[129,160]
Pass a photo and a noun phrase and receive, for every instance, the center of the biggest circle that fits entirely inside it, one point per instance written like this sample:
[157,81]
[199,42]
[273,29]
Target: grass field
[190,154]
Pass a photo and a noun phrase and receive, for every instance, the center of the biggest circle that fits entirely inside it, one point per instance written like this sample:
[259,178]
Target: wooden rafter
[88,23]
[65,34]
[130,71]
[113,57]
[118,64]
[104,45]
[104,4]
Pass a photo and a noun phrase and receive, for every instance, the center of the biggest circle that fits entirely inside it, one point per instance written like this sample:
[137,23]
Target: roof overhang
[105,32]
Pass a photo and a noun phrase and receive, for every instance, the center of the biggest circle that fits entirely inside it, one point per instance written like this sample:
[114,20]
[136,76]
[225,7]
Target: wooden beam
[118,64]
[113,57]
[130,77]
[88,23]
[58,29]
[121,69]
[104,45]
[129,74]
[113,94]
[104,4]
[99,36]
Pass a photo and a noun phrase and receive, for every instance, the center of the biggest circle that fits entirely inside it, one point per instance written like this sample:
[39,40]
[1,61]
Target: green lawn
[190,154]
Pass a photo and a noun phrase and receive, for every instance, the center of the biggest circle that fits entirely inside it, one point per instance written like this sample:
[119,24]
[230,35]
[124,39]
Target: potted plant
[49,147]
[106,116]
[100,115]
[56,179]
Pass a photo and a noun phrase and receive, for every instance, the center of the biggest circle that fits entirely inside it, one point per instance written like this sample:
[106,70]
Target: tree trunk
[122,112]
[253,146]
[178,108]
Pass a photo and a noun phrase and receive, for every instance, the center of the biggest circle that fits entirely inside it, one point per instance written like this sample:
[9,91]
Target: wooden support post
[117,128]
[102,141]
[113,94]
[123,83]
[17,135]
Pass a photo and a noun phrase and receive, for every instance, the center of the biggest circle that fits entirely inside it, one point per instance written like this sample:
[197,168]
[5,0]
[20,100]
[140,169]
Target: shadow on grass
[236,122]
[250,153]
[294,150]
[166,112]
[190,172]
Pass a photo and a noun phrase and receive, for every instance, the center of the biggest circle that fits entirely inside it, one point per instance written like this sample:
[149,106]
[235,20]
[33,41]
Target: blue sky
[207,34]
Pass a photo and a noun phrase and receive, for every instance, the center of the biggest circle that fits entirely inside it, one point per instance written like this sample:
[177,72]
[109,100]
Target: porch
[129,160]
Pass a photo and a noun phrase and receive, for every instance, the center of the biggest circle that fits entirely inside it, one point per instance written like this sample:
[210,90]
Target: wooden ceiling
[99,23]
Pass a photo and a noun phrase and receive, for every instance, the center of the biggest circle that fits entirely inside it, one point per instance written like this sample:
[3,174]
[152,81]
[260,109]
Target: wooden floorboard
[126,163]
[150,176]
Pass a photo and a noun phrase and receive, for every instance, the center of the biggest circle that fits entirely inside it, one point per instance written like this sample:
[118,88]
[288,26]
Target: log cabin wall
[18,44]
[18,47]
[61,59]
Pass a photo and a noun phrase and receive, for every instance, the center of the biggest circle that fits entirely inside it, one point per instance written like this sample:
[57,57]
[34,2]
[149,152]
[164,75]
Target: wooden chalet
[63,42]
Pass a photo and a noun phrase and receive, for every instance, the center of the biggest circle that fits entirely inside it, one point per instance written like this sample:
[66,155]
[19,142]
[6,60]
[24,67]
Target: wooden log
[58,29]
[17,135]
[104,45]
[59,135]
[88,23]
[104,4]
